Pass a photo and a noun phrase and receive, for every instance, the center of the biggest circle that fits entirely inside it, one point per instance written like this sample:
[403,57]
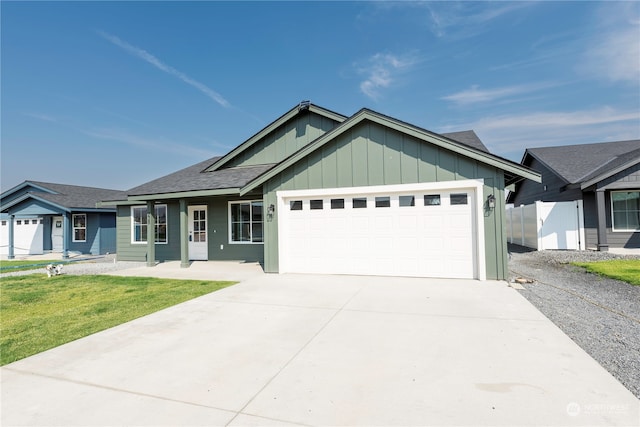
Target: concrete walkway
[324,350]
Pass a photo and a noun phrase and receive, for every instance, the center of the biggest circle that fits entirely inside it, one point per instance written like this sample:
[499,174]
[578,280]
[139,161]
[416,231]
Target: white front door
[198,239]
[57,234]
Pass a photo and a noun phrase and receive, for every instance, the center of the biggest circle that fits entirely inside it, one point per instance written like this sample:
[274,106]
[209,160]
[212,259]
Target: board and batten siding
[371,154]
[285,140]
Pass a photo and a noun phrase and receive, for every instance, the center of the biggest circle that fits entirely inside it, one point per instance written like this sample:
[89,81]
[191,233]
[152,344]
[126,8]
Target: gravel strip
[601,315]
[90,265]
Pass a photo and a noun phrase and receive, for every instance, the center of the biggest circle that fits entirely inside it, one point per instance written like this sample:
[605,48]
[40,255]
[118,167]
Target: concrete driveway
[324,350]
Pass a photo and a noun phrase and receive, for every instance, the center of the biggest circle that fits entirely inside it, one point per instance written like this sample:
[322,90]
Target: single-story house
[39,217]
[605,176]
[319,192]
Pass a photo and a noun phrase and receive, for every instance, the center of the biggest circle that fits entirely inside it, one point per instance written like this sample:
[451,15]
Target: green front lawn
[39,313]
[627,270]
[7,266]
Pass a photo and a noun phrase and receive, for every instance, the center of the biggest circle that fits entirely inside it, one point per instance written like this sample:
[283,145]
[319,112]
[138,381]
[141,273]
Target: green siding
[373,155]
[217,224]
[285,140]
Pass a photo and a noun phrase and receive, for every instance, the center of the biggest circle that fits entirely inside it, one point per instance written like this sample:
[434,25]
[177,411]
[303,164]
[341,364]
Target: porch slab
[198,270]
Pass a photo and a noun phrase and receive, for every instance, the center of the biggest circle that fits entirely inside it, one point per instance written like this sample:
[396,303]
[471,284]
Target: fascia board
[32,196]
[270,128]
[183,194]
[609,173]
[401,127]
[23,185]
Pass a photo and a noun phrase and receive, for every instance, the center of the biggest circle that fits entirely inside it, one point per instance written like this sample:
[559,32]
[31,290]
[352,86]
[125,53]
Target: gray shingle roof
[193,178]
[76,197]
[579,163]
[467,137]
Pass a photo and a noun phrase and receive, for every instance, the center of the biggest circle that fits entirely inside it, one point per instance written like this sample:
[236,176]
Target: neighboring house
[605,176]
[38,217]
[319,192]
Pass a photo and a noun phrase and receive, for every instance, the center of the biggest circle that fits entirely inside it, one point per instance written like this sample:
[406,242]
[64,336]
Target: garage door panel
[429,241]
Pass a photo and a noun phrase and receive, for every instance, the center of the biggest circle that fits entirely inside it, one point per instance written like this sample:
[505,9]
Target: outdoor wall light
[271,209]
[491,201]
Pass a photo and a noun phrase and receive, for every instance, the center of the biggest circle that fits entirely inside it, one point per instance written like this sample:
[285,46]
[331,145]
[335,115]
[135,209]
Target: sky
[115,94]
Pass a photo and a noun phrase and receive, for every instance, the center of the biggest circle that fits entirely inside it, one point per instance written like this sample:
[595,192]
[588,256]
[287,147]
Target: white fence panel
[547,225]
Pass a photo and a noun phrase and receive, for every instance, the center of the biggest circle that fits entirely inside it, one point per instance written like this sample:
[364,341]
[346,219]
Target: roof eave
[609,173]
[270,128]
[405,128]
[26,196]
[181,194]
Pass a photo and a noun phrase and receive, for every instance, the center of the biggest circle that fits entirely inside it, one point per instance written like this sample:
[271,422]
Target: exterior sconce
[491,201]
[271,209]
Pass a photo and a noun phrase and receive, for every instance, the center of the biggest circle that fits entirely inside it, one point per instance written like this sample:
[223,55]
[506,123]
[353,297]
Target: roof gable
[298,127]
[513,171]
[577,163]
[61,196]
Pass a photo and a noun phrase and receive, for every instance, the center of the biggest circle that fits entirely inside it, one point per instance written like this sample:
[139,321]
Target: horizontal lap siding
[128,251]
[370,154]
[219,247]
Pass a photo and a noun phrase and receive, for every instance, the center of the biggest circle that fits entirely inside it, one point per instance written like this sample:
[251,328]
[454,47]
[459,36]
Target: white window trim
[229,229]
[613,228]
[133,241]
[74,228]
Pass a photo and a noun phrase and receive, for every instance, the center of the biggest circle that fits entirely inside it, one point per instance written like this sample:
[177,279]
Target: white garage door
[27,236]
[399,231]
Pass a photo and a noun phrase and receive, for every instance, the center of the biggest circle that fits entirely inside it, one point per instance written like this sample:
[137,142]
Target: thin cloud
[157,144]
[381,71]
[146,56]
[43,117]
[466,19]
[615,54]
[476,95]
[510,135]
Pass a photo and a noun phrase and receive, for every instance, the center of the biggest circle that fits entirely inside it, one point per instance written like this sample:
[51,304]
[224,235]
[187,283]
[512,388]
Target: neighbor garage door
[394,231]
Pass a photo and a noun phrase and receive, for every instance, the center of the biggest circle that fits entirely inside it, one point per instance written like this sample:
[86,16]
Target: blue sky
[114,94]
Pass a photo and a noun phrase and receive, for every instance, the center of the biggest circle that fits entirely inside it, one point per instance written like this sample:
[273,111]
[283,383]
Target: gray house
[39,217]
[319,192]
[605,176]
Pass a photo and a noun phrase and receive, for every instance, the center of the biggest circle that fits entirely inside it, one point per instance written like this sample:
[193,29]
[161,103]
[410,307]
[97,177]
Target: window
[245,222]
[407,201]
[458,199]
[625,208]
[432,200]
[315,204]
[79,227]
[18,222]
[337,203]
[383,202]
[359,202]
[139,224]
[4,222]
[295,205]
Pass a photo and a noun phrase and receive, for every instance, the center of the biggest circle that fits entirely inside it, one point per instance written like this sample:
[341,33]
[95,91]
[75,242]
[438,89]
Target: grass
[9,266]
[627,270]
[39,313]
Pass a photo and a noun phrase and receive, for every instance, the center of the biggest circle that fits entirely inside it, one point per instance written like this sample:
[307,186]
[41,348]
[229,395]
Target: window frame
[74,228]
[251,222]
[613,224]
[158,224]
